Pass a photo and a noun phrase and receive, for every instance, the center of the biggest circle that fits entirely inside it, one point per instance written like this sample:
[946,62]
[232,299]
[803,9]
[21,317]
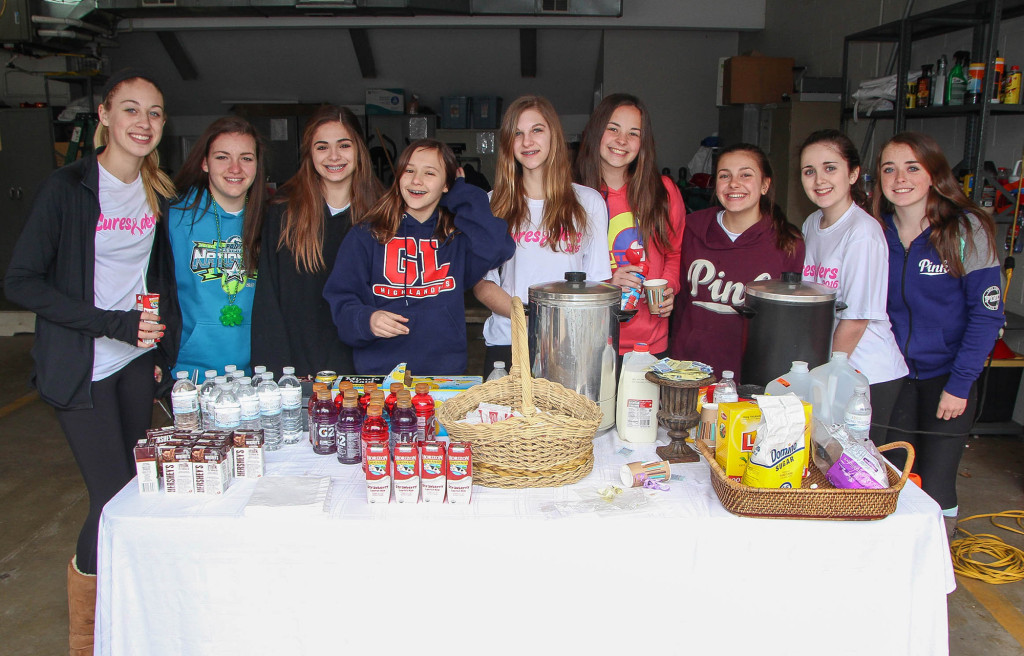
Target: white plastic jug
[636,409]
[832,388]
[797,381]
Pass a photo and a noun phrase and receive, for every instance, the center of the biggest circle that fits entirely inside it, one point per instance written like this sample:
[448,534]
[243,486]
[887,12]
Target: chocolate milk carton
[433,471]
[407,473]
[378,473]
[146,467]
[211,467]
[460,472]
[176,464]
[247,453]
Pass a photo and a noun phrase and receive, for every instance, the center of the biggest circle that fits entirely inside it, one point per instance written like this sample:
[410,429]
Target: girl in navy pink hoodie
[944,303]
[396,290]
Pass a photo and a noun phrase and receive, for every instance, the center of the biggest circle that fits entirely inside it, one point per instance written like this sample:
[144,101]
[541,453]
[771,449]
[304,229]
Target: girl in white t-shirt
[558,226]
[846,250]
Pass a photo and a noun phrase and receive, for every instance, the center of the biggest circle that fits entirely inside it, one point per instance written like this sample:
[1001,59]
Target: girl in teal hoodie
[214,231]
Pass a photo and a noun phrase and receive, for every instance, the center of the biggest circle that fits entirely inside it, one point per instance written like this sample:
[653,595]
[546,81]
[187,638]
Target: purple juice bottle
[349,433]
[325,424]
[403,421]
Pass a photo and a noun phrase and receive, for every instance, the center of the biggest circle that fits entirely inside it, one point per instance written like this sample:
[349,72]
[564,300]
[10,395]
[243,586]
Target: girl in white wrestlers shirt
[845,250]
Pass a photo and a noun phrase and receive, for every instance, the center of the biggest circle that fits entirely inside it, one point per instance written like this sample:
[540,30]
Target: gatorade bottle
[389,403]
[364,400]
[374,429]
[350,429]
[324,427]
[424,405]
[318,389]
[403,421]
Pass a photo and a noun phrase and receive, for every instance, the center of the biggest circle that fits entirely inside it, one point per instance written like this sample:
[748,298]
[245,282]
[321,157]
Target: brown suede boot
[81,610]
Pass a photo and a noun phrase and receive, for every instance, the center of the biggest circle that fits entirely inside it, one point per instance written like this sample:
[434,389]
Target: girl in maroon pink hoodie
[724,248]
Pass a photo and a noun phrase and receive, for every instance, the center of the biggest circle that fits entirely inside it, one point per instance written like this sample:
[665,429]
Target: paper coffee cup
[708,425]
[657,470]
[654,289]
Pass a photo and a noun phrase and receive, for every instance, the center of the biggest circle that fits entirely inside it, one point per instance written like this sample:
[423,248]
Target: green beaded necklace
[232,279]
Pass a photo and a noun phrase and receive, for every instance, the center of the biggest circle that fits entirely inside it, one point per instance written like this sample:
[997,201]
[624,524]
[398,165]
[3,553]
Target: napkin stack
[299,496]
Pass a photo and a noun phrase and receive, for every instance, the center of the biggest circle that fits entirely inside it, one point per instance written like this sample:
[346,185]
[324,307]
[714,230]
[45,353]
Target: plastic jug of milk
[796,381]
[832,387]
[636,408]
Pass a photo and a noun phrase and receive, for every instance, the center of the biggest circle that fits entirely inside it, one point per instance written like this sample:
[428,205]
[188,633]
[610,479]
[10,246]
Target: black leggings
[938,450]
[883,400]
[102,439]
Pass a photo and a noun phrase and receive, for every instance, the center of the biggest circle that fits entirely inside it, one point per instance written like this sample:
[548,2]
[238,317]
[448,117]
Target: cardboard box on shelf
[385,101]
[757,79]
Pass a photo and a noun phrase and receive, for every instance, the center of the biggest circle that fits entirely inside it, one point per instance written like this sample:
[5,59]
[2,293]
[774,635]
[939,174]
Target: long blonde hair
[564,216]
[154,180]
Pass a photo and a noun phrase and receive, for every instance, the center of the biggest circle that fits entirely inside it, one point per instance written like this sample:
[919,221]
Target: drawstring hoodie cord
[405,273]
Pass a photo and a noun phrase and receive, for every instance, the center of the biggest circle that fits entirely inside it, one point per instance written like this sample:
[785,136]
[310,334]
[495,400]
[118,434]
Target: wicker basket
[825,502]
[536,450]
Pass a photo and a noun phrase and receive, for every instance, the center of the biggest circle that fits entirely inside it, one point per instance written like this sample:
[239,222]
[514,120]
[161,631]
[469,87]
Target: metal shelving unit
[983,18]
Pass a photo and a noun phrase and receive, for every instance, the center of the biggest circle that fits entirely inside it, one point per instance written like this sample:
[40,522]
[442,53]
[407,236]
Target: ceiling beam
[528,52]
[364,53]
[180,58]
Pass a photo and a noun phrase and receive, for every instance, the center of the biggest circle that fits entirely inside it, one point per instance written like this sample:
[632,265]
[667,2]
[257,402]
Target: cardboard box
[757,79]
[385,101]
[737,431]
[455,112]
[486,112]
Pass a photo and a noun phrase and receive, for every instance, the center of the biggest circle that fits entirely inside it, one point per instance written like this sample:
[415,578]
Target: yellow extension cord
[1007,564]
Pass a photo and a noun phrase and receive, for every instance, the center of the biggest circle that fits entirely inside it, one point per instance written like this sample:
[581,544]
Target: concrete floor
[44,503]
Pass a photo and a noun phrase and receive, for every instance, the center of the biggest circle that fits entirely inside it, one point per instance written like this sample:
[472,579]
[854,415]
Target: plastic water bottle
[226,410]
[249,402]
[498,371]
[206,391]
[350,427]
[230,370]
[858,414]
[270,411]
[291,406]
[403,421]
[257,375]
[185,403]
[725,390]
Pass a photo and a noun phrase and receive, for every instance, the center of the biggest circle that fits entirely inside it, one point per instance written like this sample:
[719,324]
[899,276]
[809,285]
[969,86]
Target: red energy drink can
[148,303]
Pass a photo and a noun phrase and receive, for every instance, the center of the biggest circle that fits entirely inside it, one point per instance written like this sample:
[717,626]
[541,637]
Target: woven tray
[535,450]
[825,502]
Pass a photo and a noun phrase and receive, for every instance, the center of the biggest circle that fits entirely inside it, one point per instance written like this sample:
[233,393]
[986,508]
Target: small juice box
[145,467]
[460,472]
[378,473]
[407,473]
[433,471]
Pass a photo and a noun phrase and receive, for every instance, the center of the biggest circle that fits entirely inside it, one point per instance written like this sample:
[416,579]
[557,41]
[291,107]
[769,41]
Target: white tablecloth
[515,572]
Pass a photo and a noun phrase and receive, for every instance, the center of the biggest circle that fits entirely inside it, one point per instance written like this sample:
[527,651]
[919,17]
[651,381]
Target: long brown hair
[845,148]
[645,190]
[192,180]
[564,216]
[786,234]
[302,224]
[385,217]
[155,180]
[947,206]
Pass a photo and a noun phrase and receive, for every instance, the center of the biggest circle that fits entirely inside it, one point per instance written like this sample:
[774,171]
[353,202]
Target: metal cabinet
[26,158]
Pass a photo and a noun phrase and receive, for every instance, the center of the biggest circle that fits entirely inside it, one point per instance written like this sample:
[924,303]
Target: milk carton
[176,465]
[146,467]
[211,467]
[407,473]
[378,473]
[433,471]
[460,472]
[247,453]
